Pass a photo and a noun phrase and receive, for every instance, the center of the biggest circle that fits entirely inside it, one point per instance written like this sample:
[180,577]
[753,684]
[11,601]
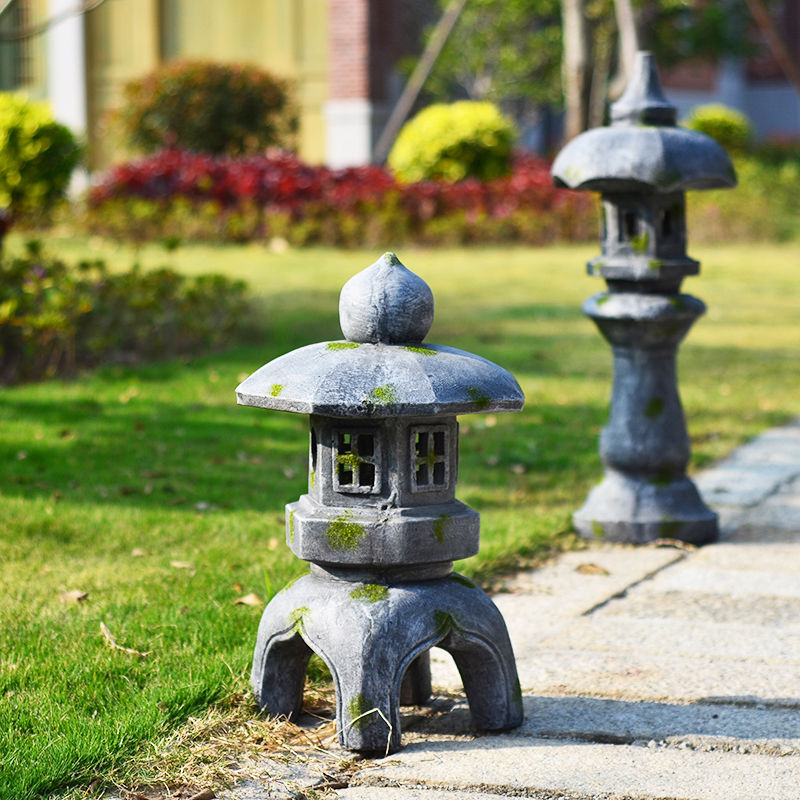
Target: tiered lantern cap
[643,149]
[383,368]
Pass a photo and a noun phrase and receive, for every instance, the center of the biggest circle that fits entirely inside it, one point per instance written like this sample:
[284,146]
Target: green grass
[110,481]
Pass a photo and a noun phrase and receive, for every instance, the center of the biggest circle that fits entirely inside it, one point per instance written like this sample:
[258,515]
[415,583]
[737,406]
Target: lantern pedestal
[645,449]
[370,635]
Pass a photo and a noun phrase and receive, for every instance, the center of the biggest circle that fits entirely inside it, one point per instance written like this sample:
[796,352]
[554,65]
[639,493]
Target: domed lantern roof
[382,368]
[643,149]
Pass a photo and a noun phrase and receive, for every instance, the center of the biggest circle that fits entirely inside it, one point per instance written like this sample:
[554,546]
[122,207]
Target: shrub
[54,318]
[452,142]
[174,196]
[729,127]
[38,156]
[207,108]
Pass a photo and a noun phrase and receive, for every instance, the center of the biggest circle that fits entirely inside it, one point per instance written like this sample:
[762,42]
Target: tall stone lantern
[380,523]
[642,164]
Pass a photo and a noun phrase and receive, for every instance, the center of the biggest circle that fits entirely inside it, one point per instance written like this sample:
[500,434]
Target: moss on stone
[357,708]
[276,389]
[382,395]
[291,526]
[455,576]
[439,527]
[655,263]
[349,461]
[677,302]
[423,351]
[604,299]
[639,243]
[312,477]
[654,407]
[445,622]
[370,592]
[297,619]
[517,691]
[391,258]
[478,396]
[662,478]
[668,528]
[597,529]
[342,345]
[343,534]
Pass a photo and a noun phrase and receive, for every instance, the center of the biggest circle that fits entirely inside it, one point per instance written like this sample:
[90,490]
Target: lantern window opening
[356,462]
[313,450]
[430,459]
[628,225]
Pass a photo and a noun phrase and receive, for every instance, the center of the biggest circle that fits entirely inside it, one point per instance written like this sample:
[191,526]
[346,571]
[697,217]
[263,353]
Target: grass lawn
[151,491]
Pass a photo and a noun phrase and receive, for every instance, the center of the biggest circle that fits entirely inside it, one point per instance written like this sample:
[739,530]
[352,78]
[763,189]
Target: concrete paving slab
[396,793]
[735,484]
[730,582]
[710,726]
[751,643]
[660,677]
[737,555]
[521,765]
[748,609]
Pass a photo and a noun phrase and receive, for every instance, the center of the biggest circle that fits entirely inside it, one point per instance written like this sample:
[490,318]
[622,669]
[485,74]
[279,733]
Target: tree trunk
[576,59]
[628,45]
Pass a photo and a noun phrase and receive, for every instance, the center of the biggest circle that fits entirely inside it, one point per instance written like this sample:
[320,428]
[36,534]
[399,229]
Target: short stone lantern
[380,523]
[642,164]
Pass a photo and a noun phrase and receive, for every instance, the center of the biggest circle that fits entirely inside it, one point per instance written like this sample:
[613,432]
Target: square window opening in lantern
[430,459]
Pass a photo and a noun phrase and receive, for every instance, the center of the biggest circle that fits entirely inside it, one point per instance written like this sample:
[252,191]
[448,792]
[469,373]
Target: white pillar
[66,73]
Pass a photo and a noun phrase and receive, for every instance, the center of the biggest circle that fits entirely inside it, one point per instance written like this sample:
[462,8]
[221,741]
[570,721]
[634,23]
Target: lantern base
[371,635]
[637,510]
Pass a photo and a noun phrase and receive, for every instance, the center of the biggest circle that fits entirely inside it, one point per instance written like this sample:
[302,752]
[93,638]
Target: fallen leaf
[251,599]
[206,794]
[112,642]
[22,455]
[137,552]
[591,569]
[272,544]
[490,421]
[288,472]
[75,596]
[518,469]
[181,564]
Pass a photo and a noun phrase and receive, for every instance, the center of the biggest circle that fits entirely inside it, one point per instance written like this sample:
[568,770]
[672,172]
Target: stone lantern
[642,164]
[380,523]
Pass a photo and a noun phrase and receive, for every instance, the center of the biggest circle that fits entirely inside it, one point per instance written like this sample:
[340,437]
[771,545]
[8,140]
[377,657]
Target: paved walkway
[648,673]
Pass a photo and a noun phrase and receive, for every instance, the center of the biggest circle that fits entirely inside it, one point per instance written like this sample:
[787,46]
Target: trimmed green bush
[452,142]
[55,317]
[729,127]
[207,108]
[38,156]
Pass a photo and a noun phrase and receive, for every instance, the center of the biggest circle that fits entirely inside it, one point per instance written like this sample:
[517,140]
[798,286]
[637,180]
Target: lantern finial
[643,102]
[386,303]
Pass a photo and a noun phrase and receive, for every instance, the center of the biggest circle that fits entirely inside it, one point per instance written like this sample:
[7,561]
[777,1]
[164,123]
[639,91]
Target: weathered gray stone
[380,523]
[642,164]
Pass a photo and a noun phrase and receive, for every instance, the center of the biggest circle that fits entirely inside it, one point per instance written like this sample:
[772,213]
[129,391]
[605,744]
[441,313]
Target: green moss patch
[455,576]
[654,407]
[479,397]
[343,534]
[439,527]
[370,592]
[639,243]
[422,351]
[597,529]
[275,389]
[357,708]
[291,526]
[349,461]
[382,395]
[342,345]
[297,619]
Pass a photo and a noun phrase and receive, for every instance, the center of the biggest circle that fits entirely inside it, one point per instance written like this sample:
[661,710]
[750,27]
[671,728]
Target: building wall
[127,38]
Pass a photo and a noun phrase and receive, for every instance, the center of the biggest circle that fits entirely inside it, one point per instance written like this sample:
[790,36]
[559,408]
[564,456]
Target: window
[356,462]
[628,225]
[430,462]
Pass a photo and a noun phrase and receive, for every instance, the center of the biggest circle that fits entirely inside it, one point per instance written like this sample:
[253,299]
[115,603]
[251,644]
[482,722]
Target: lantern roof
[643,149]
[383,368]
